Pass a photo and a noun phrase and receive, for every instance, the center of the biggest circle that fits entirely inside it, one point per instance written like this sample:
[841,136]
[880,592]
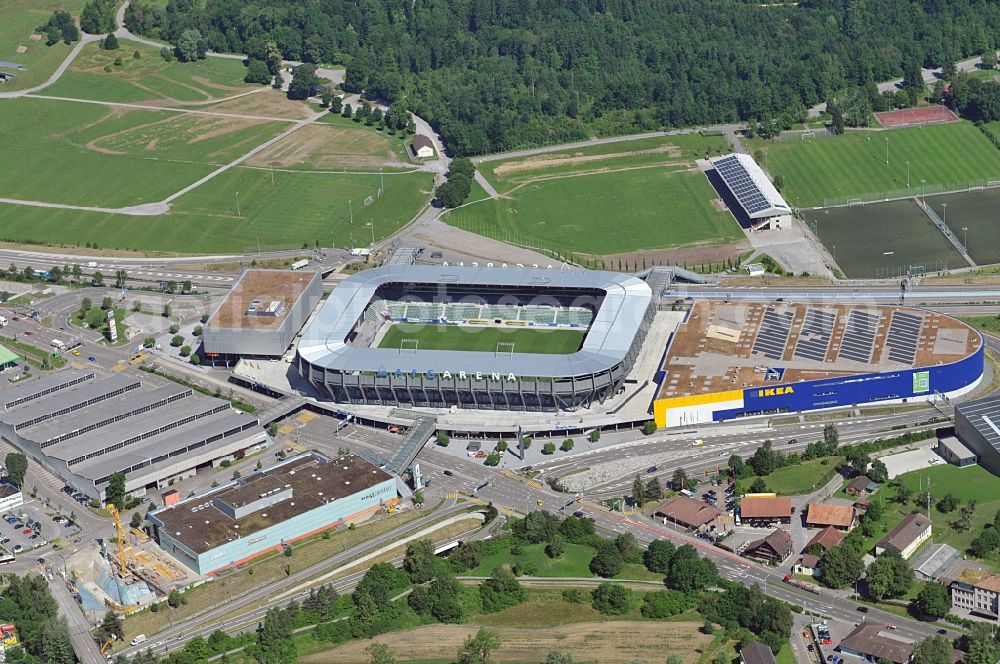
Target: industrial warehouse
[83,428]
[730,360]
[271,508]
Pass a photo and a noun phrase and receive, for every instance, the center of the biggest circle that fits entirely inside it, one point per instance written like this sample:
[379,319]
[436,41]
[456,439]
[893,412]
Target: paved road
[79,629]
[485,184]
[84,40]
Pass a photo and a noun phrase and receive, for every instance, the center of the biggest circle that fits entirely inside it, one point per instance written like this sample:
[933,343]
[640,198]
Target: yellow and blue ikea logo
[775,391]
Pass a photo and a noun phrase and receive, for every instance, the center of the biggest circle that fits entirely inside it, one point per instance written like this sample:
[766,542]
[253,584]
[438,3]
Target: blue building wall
[286,531]
[859,389]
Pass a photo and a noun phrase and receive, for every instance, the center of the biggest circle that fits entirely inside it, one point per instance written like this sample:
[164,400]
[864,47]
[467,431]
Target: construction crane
[122,562]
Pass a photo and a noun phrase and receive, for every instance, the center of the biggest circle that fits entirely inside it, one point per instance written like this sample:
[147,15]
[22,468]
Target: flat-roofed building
[954,452]
[262,314]
[10,496]
[906,536]
[83,429]
[301,496]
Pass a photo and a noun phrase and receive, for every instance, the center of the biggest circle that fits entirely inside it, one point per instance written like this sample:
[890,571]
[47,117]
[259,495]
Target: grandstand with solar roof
[749,193]
[731,360]
[488,337]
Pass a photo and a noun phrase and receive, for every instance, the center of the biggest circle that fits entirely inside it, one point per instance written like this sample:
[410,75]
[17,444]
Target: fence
[803,135]
[920,190]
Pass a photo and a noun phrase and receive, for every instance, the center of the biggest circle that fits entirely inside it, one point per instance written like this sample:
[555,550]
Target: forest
[494,75]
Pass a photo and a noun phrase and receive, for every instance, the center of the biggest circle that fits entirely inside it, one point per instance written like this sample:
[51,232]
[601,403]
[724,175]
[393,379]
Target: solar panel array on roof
[984,416]
[773,333]
[904,330]
[741,184]
[859,336]
[814,339]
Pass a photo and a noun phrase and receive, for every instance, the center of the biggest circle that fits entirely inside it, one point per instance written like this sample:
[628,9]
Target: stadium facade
[271,508]
[729,361]
[337,356]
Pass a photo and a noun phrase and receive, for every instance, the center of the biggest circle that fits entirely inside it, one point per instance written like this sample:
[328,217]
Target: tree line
[492,75]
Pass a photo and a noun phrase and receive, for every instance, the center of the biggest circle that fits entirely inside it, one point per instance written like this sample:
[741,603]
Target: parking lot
[29,527]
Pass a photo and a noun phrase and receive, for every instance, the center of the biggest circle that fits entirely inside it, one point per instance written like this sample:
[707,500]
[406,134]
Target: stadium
[477,337]
[730,360]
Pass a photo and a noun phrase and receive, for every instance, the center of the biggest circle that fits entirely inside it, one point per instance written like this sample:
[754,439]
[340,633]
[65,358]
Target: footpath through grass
[825,171]
[20,18]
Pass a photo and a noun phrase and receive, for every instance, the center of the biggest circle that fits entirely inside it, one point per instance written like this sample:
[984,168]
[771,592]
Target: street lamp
[886,150]
[965,238]
[907,175]
[238,204]
[923,184]
[944,206]
[350,209]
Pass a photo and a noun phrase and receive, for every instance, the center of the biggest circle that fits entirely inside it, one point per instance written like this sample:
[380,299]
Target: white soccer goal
[505,348]
[410,345]
[807,135]
[854,202]
[972,189]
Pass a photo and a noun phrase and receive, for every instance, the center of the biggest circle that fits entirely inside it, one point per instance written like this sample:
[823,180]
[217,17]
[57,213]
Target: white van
[3,322]
[57,344]
[140,638]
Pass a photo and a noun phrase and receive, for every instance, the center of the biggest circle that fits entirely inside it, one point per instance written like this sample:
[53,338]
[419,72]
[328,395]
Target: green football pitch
[482,339]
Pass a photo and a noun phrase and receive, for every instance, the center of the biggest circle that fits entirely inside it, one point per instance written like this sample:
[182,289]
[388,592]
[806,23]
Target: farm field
[150,78]
[976,212]
[299,208]
[506,174]
[483,339]
[604,213]
[833,170]
[20,18]
[882,239]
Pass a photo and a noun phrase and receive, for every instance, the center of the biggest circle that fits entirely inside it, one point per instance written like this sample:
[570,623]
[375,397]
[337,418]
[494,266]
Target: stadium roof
[608,340]
[750,185]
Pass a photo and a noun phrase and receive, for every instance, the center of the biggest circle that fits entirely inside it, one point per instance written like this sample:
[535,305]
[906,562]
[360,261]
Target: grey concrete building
[262,314]
[83,428]
[954,452]
[977,425]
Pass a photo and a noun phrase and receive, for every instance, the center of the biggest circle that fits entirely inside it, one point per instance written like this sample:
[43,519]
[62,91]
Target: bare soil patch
[326,147]
[610,642]
[270,103]
[564,159]
[690,255]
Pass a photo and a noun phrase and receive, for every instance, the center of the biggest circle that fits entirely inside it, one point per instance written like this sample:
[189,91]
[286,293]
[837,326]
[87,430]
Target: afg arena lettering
[775,391]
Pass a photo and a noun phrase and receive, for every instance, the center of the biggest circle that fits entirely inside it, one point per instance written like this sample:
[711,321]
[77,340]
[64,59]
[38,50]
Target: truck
[139,638]
[298,265]
[3,321]
[802,585]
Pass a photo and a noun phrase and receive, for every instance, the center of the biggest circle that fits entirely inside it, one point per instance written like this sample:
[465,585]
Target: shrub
[595,435]
[567,445]
[492,460]
[175,328]
[442,439]
[649,427]
[573,596]
[549,448]
[554,549]
[611,599]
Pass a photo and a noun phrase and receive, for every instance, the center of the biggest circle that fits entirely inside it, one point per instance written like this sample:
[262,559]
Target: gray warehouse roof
[71,398]
[984,415]
[955,446]
[611,333]
[46,383]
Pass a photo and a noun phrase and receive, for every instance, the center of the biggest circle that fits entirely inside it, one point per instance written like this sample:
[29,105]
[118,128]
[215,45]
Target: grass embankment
[798,479]
[262,571]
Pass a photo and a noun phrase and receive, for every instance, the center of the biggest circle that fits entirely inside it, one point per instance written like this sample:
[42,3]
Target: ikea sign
[775,391]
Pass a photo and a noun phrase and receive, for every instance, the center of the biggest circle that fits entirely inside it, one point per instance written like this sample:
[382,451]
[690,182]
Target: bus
[7,559]
[298,265]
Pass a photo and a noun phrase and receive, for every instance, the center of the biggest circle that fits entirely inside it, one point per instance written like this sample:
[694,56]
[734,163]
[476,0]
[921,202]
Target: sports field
[483,339]
[149,78]
[976,212]
[833,170]
[506,174]
[604,213]
[87,154]
[882,239]
[20,18]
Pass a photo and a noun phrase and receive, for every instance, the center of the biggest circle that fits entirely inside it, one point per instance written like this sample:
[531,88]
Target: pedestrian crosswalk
[453,495]
[506,511]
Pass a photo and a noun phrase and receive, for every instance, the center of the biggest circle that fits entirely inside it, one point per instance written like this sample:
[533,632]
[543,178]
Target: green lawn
[604,213]
[149,77]
[507,173]
[297,209]
[20,18]
[988,324]
[966,483]
[822,172]
[483,339]
[794,480]
[574,562]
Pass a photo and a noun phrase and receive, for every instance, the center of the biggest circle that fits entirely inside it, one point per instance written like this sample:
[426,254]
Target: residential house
[756,652]
[765,510]
[689,513]
[827,538]
[822,515]
[807,564]
[871,642]
[773,549]
[910,533]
